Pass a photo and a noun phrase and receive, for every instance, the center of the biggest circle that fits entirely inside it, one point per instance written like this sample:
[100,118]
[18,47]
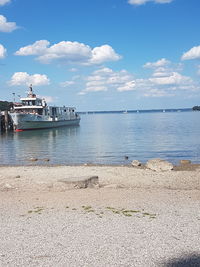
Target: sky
[102,54]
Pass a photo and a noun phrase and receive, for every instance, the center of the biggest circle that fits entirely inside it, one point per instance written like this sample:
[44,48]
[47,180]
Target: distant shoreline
[137,111]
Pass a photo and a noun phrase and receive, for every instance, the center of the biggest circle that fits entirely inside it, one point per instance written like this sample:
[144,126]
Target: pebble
[136,163]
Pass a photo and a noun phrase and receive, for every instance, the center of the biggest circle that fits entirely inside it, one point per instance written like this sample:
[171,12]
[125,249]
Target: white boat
[34,113]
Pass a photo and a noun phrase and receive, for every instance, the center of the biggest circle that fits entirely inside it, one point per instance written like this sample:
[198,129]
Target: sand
[137,217]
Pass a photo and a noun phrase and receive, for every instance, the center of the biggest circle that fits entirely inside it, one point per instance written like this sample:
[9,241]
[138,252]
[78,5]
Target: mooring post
[0,122]
[6,120]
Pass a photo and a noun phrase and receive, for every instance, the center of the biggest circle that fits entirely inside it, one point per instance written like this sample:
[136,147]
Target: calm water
[107,138]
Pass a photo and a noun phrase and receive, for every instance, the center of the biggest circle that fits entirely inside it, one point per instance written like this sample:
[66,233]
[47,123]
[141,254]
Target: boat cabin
[34,105]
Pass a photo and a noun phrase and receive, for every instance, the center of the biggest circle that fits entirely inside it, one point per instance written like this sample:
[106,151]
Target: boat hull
[45,125]
[24,123]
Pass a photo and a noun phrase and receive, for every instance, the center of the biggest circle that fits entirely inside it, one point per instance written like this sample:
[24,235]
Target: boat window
[54,112]
[40,111]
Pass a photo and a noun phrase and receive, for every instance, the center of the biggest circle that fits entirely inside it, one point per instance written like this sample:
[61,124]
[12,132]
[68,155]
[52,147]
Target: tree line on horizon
[5,105]
[196,108]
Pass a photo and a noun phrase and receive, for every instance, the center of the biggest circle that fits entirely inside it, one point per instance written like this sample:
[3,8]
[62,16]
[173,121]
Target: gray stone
[46,159]
[159,165]
[33,159]
[136,163]
[185,161]
[81,182]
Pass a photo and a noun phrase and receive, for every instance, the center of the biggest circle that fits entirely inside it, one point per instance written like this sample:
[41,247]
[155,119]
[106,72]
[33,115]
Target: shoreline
[49,178]
[176,166]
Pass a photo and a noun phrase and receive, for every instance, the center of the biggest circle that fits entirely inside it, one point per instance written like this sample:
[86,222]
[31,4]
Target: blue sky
[102,54]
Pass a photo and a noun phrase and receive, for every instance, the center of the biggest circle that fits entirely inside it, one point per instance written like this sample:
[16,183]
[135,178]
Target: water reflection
[48,143]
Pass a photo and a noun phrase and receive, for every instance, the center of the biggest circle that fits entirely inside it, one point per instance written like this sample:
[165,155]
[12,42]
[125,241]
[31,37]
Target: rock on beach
[81,182]
[136,163]
[159,165]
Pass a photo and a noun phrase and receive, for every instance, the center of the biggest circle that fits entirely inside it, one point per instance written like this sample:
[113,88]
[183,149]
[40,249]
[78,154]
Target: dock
[6,123]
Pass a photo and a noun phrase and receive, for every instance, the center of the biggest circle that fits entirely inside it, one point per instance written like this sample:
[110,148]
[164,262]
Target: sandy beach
[136,217]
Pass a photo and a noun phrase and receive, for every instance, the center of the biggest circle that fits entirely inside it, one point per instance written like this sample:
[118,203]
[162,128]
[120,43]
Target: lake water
[107,139]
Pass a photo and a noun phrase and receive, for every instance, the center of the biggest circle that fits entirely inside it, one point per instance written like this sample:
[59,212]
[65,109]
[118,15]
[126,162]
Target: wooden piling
[6,120]
[6,123]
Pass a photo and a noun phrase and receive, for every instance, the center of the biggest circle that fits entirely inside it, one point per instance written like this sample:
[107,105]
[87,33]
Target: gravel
[90,227]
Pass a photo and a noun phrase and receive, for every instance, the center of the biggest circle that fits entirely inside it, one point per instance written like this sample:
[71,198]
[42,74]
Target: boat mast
[30,93]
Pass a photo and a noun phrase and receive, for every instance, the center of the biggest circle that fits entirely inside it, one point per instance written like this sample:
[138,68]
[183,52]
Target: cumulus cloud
[163,82]
[158,93]
[171,79]
[142,2]
[2,51]
[69,52]
[193,53]
[39,47]
[128,86]
[105,78]
[3,2]
[6,26]
[160,63]
[102,54]
[23,78]
[166,81]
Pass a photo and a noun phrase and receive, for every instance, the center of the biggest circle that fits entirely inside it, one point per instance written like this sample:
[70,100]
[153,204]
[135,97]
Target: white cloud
[163,82]
[170,79]
[39,47]
[73,69]
[3,2]
[160,63]
[193,53]
[141,2]
[2,51]
[69,52]
[23,78]
[102,54]
[105,79]
[157,93]
[7,26]
[166,80]
[128,86]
